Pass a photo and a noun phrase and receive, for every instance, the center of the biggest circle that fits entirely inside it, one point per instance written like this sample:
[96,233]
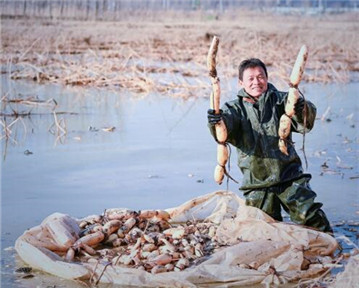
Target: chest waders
[271,180]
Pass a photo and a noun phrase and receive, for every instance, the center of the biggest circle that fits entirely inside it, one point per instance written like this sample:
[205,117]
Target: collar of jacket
[248,98]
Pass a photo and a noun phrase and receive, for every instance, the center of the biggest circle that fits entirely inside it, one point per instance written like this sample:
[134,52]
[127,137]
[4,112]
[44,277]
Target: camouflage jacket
[253,130]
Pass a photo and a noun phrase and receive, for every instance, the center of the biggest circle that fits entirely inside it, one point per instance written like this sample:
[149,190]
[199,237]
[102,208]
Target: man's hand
[214,118]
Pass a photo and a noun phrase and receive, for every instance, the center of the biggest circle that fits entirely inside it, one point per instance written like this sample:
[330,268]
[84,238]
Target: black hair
[250,63]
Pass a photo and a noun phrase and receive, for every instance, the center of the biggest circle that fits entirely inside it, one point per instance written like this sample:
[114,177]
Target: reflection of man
[271,179]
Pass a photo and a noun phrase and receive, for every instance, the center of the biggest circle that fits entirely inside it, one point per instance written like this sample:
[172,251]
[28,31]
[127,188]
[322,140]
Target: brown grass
[157,54]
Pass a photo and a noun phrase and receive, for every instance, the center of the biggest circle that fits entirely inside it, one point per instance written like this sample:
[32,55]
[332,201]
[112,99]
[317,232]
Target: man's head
[253,77]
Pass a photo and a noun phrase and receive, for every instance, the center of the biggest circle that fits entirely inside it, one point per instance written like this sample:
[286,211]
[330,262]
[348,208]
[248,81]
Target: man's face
[254,81]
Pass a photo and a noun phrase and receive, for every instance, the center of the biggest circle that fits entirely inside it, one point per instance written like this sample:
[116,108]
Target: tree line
[111,9]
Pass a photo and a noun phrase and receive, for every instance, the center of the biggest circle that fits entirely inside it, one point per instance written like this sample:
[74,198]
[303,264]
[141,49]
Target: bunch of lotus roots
[145,240]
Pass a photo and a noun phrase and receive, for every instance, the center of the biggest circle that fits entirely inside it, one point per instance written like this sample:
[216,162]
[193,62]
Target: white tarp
[258,249]
[349,278]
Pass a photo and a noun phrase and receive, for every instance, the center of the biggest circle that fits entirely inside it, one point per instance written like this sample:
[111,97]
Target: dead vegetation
[169,56]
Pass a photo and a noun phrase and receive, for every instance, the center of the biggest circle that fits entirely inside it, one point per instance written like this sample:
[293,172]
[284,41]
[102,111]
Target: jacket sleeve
[304,120]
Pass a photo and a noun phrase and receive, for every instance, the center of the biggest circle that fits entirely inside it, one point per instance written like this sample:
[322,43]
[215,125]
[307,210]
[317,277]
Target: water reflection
[32,110]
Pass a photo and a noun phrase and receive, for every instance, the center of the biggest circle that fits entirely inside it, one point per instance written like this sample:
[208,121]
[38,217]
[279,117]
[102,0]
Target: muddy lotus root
[293,95]
[144,240]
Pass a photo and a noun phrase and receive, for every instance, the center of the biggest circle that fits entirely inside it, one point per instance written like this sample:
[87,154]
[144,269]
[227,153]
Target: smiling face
[255,81]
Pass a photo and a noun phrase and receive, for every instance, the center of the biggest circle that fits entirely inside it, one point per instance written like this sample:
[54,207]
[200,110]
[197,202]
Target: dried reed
[169,57]
[58,128]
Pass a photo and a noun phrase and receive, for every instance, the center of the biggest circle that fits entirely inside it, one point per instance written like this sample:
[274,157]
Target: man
[271,179]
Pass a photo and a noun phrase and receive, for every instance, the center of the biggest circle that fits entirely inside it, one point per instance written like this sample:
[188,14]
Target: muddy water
[158,154]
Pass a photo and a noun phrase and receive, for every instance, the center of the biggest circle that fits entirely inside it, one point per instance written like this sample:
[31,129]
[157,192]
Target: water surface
[158,155]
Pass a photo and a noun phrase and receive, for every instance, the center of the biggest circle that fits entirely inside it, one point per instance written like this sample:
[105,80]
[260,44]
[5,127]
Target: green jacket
[253,130]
